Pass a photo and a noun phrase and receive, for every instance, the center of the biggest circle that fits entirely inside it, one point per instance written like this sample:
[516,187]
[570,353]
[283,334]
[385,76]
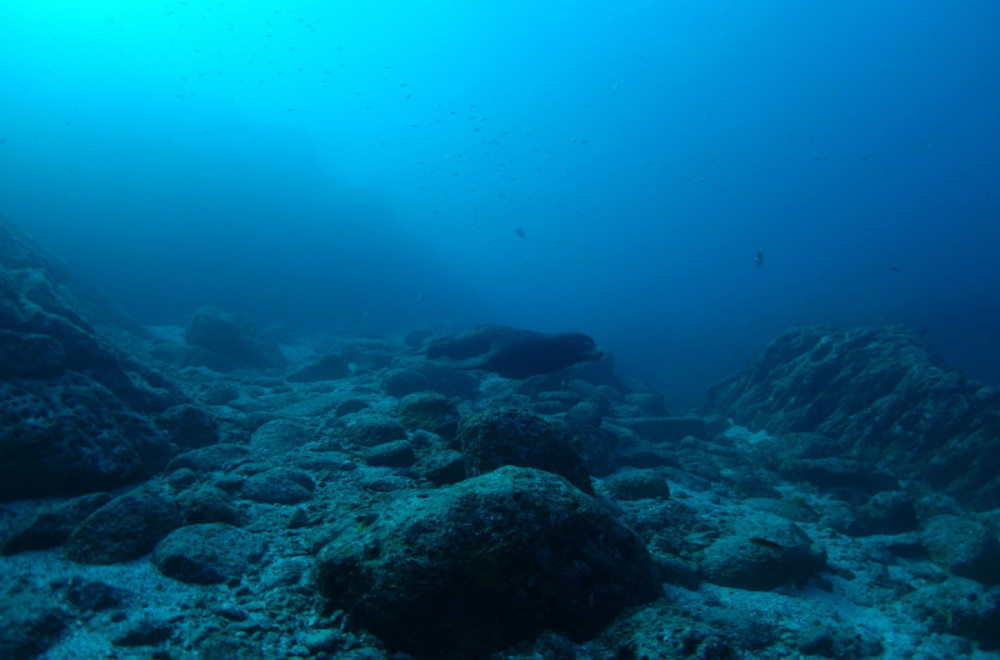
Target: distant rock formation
[882,400]
[227,341]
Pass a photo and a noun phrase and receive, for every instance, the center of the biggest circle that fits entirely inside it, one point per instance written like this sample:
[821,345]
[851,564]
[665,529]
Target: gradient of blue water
[323,162]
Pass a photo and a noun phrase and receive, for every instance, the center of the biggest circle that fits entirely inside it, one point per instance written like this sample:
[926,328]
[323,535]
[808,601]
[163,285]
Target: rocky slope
[203,492]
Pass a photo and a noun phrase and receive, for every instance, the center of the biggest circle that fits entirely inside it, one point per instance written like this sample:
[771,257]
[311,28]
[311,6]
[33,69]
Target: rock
[72,436]
[761,554]
[885,396]
[233,336]
[888,512]
[400,382]
[370,429]
[370,353]
[279,436]
[73,408]
[208,504]
[125,528]
[207,554]
[29,625]
[279,486]
[637,485]
[964,547]
[93,595]
[189,427]
[398,454]
[329,367]
[147,631]
[506,436]
[500,557]
[428,411]
[208,459]
[443,467]
[50,525]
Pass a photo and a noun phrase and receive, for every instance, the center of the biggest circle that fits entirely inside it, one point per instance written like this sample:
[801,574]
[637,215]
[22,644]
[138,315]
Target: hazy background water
[608,167]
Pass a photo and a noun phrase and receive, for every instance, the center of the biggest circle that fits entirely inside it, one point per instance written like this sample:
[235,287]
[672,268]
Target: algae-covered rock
[476,566]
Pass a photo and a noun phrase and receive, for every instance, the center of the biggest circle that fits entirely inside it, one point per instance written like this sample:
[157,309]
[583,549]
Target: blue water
[607,167]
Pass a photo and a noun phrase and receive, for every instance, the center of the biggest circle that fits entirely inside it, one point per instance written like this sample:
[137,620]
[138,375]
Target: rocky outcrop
[887,402]
[75,412]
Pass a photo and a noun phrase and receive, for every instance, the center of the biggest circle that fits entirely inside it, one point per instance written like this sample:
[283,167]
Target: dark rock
[398,453]
[31,356]
[449,382]
[400,382]
[889,512]
[370,353]
[511,352]
[208,504]
[443,467]
[219,393]
[145,632]
[825,462]
[196,356]
[233,336]
[588,413]
[189,427]
[329,367]
[125,528]
[279,486]
[351,406]
[964,547]
[29,625]
[279,436]
[207,459]
[506,436]
[49,526]
[761,555]
[93,595]
[961,607]
[428,411]
[886,396]
[474,567]
[368,430]
[207,554]
[72,436]
[637,485]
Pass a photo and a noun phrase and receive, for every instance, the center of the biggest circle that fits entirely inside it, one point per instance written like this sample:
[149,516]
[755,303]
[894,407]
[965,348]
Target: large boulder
[474,567]
[886,398]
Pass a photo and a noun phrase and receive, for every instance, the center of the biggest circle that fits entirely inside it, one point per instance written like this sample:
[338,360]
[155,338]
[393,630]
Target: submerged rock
[474,567]
[886,399]
[74,409]
[506,436]
[233,336]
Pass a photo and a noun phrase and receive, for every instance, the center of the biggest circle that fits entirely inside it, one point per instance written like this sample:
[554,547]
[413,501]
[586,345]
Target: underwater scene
[479,330]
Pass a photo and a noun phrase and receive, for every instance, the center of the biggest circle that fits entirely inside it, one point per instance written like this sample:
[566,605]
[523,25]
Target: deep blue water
[319,163]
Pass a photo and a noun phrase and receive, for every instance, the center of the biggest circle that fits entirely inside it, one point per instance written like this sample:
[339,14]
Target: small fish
[520,232]
[615,88]
[764,543]
[760,257]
